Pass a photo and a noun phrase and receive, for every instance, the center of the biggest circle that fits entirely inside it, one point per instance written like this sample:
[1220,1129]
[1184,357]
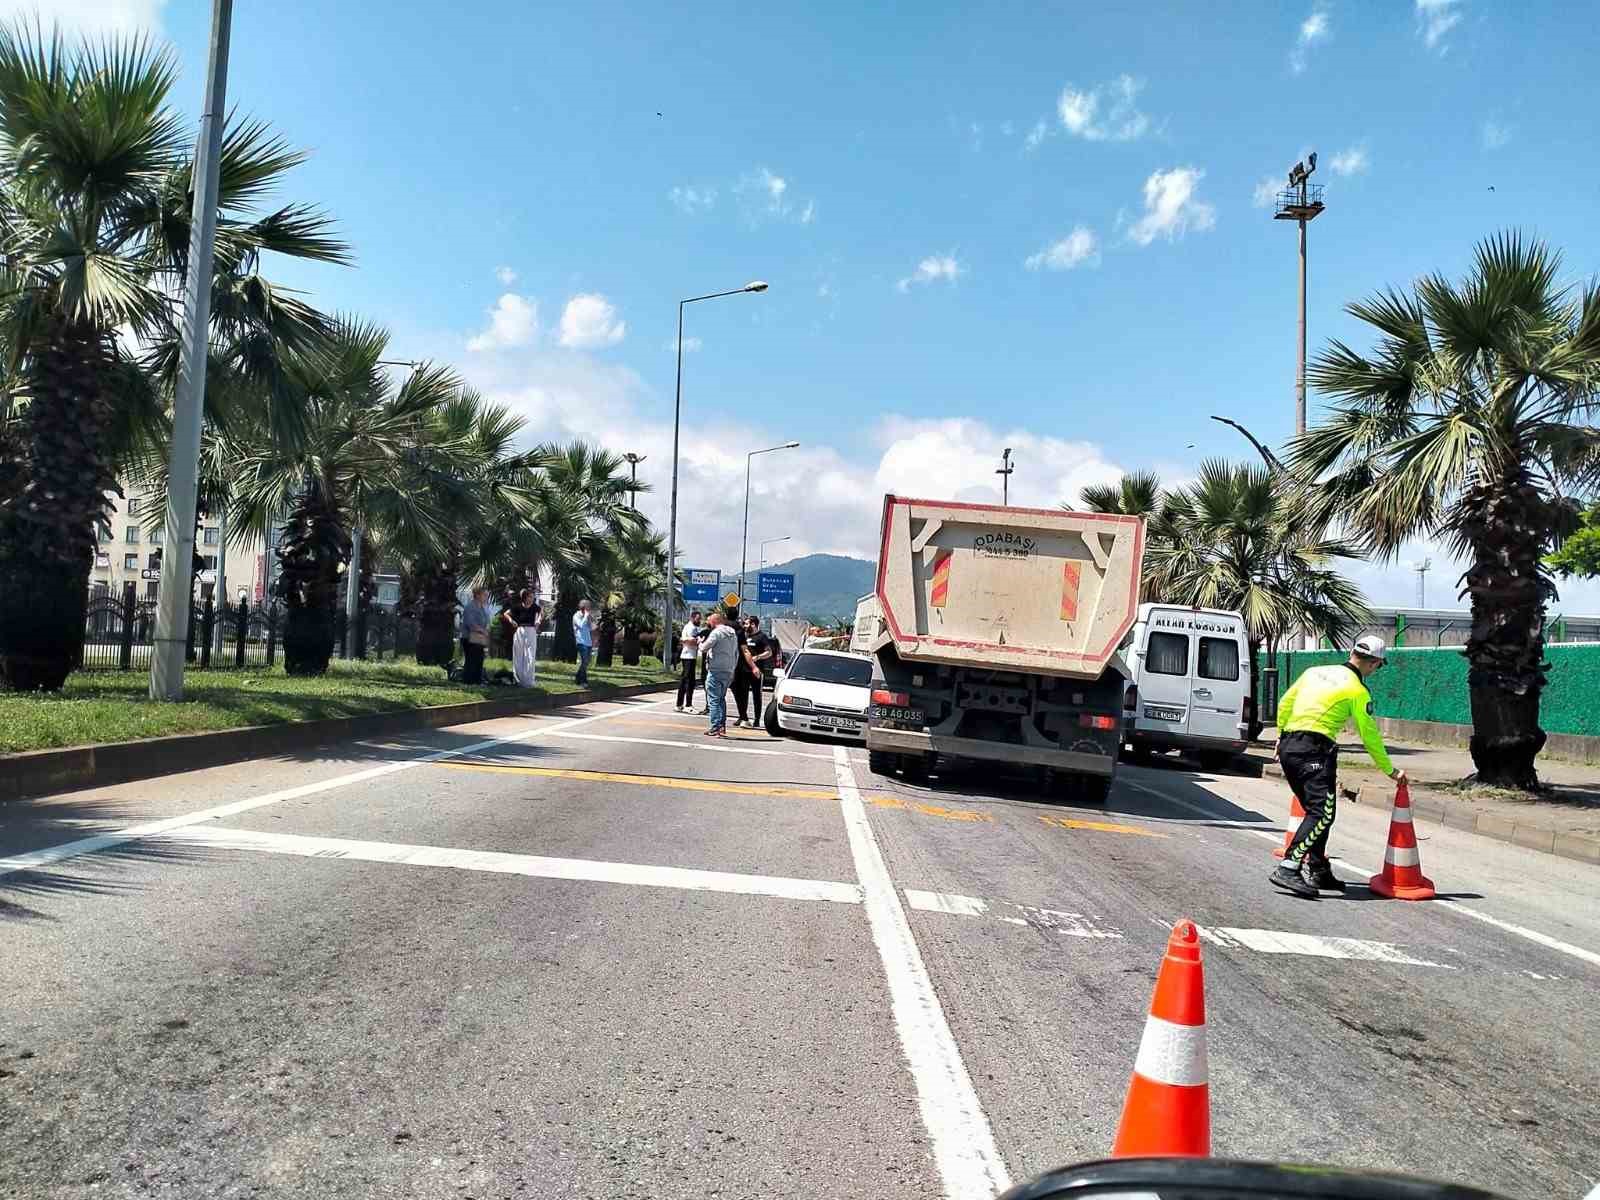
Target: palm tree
[94,210]
[1137,494]
[361,457]
[590,483]
[1470,422]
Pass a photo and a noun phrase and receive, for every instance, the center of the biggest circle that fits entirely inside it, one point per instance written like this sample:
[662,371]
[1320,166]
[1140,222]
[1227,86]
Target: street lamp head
[756,285]
[791,445]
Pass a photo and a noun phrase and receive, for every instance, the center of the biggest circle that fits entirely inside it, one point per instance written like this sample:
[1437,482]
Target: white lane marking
[964,1148]
[535,865]
[1533,935]
[1273,941]
[714,748]
[946,902]
[1172,1054]
[1444,904]
[35,859]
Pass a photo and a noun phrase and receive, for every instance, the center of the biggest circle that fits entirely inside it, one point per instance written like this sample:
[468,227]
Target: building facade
[131,545]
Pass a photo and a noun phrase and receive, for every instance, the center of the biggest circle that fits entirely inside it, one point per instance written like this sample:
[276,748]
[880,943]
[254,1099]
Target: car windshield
[825,668]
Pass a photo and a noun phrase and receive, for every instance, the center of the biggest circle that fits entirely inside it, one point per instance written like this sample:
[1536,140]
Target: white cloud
[1037,134]
[88,16]
[513,321]
[690,345]
[1007,129]
[1350,162]
[931,269]
[589,321]
[505,275]
[1435,18]
[1078,247]
[1495,134]
[808,213]
[1266,191]
[1315,28]
[693,199]
[768,196]
[1171,208]
[775,185]
[1107,113]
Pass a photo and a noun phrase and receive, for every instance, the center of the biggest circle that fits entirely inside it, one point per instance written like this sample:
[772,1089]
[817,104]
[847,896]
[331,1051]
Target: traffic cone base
[1297,812]
[1168,1106]
[1402,877]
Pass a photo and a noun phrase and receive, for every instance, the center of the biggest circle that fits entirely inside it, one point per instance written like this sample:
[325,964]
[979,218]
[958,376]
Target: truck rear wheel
[914,767]
[1093,789]
[880,763]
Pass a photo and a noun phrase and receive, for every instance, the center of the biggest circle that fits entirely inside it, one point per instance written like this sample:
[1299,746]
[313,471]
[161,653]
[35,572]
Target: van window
[1167,654]
[1219,658]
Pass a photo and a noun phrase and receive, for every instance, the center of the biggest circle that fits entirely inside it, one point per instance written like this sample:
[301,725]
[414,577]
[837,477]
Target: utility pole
[1004,472]
[1301,203]
[175,605]
[352,593]
[1422,569]
[633,460]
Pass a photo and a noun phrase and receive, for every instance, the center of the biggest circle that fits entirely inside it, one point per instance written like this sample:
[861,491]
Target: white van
[1190,689]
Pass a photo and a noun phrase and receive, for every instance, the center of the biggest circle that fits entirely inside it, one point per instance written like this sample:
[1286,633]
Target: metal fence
[118,633]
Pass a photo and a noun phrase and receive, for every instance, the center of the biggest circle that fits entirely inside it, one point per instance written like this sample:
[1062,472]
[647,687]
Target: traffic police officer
[1311,715]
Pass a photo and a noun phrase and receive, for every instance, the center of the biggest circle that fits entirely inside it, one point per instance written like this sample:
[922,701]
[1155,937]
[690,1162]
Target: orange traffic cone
[1402,877]
[1297,812]
[1168,1109]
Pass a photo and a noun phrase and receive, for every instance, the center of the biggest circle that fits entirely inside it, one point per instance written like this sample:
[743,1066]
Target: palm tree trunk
[49,519]
[436,614]
[1505,651]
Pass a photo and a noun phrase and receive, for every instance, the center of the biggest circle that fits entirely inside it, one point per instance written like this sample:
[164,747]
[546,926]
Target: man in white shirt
[583,632]
[687,656]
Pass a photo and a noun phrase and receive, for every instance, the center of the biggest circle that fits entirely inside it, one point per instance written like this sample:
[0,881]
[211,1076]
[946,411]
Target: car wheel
[880,763]
[771,720]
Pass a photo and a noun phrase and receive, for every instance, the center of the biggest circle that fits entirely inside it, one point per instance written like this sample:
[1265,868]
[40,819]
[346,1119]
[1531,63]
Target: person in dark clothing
[763,652]
[475,635]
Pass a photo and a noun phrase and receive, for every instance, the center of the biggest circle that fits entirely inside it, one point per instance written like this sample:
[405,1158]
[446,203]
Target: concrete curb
[1577,846]
[41,772]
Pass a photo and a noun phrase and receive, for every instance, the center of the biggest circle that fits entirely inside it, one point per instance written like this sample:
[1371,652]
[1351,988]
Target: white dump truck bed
[1042,591]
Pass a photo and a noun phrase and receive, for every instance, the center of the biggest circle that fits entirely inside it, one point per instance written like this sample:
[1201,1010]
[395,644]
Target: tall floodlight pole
[1004,471]
[755,285]
[744,538]
[1300,203]
[633,460]
[175,604]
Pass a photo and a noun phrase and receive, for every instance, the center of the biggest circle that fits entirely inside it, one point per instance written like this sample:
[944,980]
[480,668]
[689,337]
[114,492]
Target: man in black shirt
[761,653]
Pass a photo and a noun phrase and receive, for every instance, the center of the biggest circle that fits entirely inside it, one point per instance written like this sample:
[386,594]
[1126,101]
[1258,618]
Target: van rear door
[1219,682]
[1164,673]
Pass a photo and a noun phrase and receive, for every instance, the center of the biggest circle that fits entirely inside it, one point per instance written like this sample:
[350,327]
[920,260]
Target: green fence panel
[1431,685]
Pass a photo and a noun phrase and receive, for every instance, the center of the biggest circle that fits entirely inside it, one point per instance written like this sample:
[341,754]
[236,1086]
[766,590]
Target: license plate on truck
[900,716]
[849,723]
[1163,714]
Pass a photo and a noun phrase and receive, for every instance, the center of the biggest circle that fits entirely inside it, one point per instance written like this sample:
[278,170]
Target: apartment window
[211,535]
[105,532]
[208,562]
[150,590]
[157,536]
[132,537]
[133,506]
[155,561]
[130,562]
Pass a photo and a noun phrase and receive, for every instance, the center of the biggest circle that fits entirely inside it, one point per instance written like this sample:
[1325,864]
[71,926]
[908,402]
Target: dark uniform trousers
[1311,768]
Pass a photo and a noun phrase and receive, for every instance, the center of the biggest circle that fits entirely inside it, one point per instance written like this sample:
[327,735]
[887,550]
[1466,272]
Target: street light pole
[744,538]
[755,285]
[1004,472]
[174,610]
[633,460]
[1301,203]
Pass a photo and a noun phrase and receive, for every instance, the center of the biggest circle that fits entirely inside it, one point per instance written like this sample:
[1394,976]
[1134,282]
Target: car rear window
[1219,658]
[824,668]
[1167,654]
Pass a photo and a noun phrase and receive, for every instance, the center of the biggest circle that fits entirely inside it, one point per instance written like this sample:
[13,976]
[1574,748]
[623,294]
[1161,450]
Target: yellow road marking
[660,781]
[928,810]
[1099,826]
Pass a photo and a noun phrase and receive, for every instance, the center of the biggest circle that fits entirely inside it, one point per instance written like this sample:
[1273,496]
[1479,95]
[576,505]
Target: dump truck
[995,634]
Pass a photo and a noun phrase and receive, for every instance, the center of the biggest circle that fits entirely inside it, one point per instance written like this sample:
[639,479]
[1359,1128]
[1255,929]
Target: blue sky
[1027,225]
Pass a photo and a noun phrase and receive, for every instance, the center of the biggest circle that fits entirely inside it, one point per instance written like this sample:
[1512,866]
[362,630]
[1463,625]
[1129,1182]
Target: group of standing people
[734,653]
[521,621]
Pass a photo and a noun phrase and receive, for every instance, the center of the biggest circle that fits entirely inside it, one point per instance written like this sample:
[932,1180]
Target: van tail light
[1092,721]
[891,699]
[1130,698]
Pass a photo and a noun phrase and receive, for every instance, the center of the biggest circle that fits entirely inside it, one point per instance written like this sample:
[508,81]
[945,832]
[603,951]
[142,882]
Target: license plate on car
[1163,714]
[850,723]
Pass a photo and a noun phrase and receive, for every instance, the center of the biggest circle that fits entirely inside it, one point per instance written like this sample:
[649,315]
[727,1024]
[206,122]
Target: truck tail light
[1092,721]
[1130,698]
[891,699]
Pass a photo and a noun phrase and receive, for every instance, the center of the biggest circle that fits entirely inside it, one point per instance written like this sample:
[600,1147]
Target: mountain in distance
[825,585]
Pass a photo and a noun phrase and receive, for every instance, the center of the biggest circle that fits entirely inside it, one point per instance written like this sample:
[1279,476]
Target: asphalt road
[591,954]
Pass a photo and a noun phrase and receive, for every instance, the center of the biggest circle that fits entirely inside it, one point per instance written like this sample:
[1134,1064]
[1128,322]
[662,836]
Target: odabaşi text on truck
[994,635]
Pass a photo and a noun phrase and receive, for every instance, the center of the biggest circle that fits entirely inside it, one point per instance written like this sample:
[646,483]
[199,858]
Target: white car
[822,692]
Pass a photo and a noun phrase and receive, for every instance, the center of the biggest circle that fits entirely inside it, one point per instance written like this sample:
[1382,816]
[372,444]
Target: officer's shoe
[1288,878]
[1319,874]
